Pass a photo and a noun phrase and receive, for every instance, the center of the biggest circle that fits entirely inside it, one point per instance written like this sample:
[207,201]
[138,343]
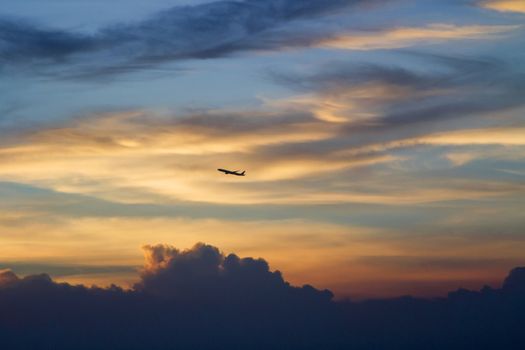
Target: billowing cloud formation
[515,281]
[205,274]
[7,278]
[200,298]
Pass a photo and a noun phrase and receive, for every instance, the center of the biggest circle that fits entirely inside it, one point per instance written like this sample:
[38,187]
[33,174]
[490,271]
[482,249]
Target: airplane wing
[235,172]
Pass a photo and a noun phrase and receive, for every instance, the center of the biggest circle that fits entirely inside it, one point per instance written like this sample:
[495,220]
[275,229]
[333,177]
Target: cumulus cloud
[200,298]
[204,273]
[515,281]
[7,278]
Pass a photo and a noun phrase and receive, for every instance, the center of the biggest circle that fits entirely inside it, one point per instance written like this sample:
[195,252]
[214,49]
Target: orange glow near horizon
[305,252]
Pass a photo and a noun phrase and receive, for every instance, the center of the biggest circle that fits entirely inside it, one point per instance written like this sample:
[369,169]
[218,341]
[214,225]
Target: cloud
[202,298]
[315,242]
[21,41]
[172,149]
[345,118]
[201,31]
[458,101]
[504,5]
[208,30]
[392,96]
[393,38]
[515,281]
[172,146]
[62,270]
[204,273]
[8,278]
[487,136]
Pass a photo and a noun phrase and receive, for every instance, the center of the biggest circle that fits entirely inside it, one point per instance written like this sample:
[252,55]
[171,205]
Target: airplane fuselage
[230,172]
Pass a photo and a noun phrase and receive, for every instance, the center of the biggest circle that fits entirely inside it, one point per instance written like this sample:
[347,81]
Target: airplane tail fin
[243,172]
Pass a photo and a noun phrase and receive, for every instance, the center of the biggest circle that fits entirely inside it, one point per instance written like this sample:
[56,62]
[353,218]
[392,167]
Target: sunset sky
[383,141]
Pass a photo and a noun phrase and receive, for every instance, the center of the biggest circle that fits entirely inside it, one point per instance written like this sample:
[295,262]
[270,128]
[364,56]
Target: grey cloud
[63,270]
[204,273]
[455,88]
[8,278]
[515,281]
[446,72]
[233,124]
[26,42]
[184,32]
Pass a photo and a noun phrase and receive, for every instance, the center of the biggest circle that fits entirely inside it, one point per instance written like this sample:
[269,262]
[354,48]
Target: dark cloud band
[203,31]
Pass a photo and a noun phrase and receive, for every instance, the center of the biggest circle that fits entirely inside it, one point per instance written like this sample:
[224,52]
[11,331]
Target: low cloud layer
[200,298]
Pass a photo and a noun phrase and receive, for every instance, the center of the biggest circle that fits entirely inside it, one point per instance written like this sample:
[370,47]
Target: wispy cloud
[409,36]
[177,157]
[345,118]
[202,31]
[504,5]
[211,30]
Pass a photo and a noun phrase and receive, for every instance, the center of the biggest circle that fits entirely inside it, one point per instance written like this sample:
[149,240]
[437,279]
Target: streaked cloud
[514,136]
[409,36]
[344,119]
[188,32]
[177,158]
[208,30]
[505,5]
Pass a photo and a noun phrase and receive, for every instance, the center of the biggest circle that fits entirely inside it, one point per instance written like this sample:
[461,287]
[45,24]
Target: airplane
[229,172]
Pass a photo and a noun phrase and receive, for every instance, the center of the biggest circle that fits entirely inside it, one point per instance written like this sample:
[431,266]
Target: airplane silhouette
[229,172]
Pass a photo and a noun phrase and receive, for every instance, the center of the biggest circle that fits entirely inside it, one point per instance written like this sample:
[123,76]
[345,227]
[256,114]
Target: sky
[383,141]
